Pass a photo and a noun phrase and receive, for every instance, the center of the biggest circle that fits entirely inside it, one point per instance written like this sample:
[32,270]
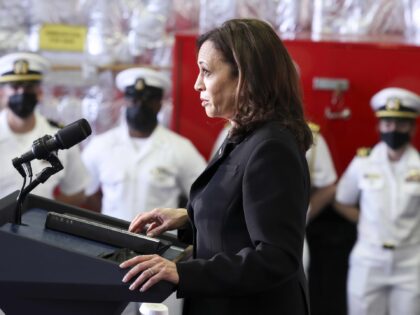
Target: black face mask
[23,105]
[141,118]
[395,139]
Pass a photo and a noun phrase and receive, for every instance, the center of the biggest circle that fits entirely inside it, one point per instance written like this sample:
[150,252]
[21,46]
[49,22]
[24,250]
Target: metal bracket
[330,84]
[336,108]
[343,114]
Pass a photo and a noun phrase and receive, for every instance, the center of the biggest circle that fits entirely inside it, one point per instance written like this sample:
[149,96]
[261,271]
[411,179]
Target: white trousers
[384,281]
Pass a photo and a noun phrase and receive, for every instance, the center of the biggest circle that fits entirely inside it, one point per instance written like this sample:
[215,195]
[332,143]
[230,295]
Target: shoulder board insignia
[314,127]
[363,152]
[413,176]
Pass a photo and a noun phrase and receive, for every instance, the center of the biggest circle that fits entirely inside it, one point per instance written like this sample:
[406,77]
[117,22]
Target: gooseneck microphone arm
[40,178]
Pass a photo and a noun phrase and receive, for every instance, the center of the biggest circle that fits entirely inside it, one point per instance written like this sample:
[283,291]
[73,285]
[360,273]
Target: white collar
[410,155]
[6,132]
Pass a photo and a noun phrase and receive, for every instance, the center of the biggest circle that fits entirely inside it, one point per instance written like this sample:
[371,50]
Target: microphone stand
[41,177]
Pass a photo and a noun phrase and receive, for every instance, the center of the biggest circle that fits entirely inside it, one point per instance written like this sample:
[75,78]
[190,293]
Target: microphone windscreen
[73,133]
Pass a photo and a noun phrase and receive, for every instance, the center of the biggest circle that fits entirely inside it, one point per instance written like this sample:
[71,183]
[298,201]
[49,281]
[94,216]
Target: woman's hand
[152,269]
[160,220]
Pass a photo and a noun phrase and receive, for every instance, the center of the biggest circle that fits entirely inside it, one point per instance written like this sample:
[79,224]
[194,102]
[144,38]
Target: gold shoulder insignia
[363,151]
[314,127]
[413,176]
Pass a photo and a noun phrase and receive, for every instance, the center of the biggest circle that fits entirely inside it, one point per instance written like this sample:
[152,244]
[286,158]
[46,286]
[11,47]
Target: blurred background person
[140,164]
[329,235]
[380,190]
[323,174]
[21,75]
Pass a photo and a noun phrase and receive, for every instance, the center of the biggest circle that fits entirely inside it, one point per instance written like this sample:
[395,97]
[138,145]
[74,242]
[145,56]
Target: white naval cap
[396,103]
[150,77]
[22,66]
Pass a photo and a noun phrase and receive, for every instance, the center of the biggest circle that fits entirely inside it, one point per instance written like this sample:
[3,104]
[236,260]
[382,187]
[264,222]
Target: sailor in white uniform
[381,191]
[20,125]
[141,165]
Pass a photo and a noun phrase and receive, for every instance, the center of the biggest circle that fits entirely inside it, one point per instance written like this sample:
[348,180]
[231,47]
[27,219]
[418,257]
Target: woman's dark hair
[268,81]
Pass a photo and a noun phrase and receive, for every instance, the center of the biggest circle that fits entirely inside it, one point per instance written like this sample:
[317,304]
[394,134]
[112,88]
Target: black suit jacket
[248,210]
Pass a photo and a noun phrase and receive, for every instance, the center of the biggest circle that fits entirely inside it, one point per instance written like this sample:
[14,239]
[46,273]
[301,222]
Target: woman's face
[215,82]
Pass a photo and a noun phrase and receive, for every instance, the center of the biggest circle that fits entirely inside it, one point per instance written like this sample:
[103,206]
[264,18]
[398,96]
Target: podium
[45,271]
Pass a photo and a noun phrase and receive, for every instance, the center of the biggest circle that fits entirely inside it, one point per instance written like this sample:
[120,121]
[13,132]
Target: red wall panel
[368,67]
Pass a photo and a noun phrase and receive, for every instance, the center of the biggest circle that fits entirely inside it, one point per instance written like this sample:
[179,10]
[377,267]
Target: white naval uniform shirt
[71,180]
[137,181]
[320,163]
[389,200]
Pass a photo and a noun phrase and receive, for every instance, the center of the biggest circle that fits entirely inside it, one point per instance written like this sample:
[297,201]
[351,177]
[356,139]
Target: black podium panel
[44,271]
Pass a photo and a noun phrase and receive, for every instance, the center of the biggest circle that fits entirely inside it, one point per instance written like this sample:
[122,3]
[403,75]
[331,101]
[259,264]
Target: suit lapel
[203,179]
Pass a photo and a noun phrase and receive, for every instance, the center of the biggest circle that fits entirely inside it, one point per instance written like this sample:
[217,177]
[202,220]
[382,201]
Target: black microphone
[64,138]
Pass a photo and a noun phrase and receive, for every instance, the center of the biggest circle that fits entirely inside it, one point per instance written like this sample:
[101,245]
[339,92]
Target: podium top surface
[33,227]
[47,264]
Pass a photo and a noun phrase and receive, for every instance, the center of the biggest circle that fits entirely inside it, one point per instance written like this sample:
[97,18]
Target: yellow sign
[62,37]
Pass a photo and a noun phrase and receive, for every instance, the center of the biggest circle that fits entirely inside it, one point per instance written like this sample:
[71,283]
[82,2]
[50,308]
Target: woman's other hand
[159,220]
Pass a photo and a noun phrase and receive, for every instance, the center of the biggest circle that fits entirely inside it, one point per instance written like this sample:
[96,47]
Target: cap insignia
[393,104]
[139,86]
[21,67]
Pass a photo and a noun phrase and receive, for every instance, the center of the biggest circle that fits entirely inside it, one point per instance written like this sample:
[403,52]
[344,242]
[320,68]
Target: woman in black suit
[247,210]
